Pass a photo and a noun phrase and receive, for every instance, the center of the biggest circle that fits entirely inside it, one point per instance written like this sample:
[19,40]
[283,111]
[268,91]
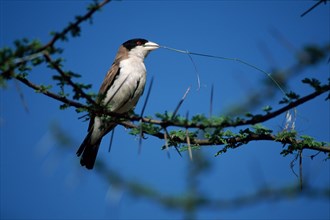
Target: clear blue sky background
[39,180]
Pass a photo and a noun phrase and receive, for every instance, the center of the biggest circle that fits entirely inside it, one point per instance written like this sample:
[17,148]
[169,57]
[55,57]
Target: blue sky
[40,180]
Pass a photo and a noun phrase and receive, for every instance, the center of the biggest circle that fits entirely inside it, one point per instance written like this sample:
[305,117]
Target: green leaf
[287,134]
[80,110]
[64,106]
[228,133]
[200,119]
[249,115]
[43,89]
[146,128]
[164,117]
[315,83]
[284,100]
[75,30]
[267,108]
[72,74]
[292,96]
[260,129]
[37,61]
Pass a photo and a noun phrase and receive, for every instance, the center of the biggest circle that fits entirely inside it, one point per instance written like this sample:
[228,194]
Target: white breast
[128,85]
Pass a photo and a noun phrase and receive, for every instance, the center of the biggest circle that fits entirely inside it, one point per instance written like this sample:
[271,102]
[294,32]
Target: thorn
[141,115]
[314,6]
[189,146]
[211,100]
[111,139]
[180,103]
[147,97]
[177,150]
[188,140]
[166,143]
[166,137]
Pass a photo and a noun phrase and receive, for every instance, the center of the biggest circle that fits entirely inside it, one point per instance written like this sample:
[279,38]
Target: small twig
[197,73]
[51,94]
[231,59]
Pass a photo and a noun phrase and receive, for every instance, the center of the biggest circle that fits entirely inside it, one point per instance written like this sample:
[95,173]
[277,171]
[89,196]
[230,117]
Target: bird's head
[140,47]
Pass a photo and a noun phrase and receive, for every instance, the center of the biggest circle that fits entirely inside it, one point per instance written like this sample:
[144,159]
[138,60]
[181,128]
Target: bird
[120,91]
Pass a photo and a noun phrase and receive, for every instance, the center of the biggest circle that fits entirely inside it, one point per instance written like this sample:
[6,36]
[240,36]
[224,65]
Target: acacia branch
[233,141]
[127,121]
[263,137]
[291,105]
[55,96]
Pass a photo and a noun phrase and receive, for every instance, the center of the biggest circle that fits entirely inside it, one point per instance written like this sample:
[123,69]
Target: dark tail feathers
[88,151]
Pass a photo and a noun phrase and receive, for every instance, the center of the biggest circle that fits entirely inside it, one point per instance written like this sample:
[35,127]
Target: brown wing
[109,79]
[112,73]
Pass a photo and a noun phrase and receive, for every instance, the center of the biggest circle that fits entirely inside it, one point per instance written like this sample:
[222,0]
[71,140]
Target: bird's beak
[151,45]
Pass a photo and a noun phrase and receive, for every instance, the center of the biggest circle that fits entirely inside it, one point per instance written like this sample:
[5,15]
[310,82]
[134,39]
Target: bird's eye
[138,43]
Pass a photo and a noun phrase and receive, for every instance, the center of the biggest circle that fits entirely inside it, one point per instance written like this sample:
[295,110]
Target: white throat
[139,52]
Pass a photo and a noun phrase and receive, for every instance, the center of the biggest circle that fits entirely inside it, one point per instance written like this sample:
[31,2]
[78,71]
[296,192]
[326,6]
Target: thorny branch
[55,96]
[127,120]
